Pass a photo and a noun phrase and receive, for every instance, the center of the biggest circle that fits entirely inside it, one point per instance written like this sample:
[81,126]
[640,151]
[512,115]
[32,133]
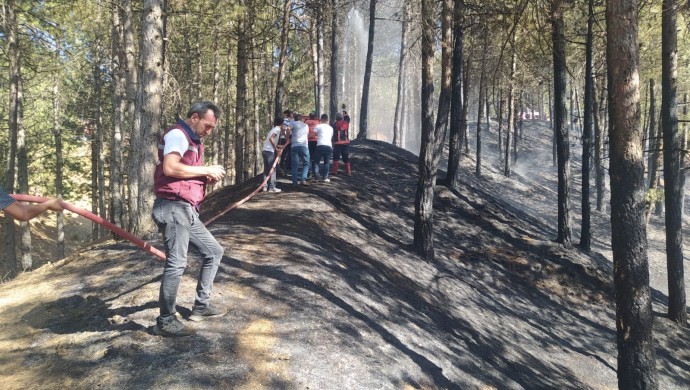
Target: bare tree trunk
[430,149]
[674,178]
[23,179]
[561,129]
[320,60]
[280,85]
[511,102]
[131,74]
[241,99]
[59,162]
[480,103]
[147,115]
[96,129]
[636,355]
[335,49]
[364,110]
[15,104]
[586,234]
[464,130]
[119,85]
[598,149]
[457,103]
[655,156]
[397,121]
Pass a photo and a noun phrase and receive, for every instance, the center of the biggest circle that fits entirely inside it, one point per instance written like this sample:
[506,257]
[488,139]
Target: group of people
[180,181]
[312,141]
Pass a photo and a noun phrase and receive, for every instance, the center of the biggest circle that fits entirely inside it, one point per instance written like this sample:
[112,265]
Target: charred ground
[325,293]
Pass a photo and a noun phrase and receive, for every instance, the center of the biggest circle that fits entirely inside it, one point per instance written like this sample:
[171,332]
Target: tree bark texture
[364,110]
[59,162]
[119,85]
[585,233]
[398,118]
[636,355]
[560,122]
[335,51]
[280,84]
[14,107]
[674,178]
[655,156]
[147,115]
[455,143]
[241,102]
[480,103]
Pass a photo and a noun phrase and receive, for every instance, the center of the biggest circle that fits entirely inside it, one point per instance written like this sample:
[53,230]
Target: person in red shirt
[341,144]
[311,122]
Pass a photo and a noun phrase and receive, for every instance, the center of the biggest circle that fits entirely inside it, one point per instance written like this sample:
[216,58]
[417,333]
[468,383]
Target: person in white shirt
[299,150]
[324,148]
[269,152]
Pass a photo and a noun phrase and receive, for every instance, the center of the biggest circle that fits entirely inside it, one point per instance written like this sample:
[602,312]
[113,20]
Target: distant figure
[299,150]
[286,157]
[24,212]
[341,144]
[324,150]
[269,152]
[311,122]
[346,117]
[180,183]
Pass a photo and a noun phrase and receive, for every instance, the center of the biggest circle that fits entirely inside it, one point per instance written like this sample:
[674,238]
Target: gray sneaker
[173,329]
[274,189]
[209,312]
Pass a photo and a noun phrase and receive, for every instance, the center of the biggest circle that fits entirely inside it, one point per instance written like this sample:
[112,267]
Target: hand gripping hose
[93,217]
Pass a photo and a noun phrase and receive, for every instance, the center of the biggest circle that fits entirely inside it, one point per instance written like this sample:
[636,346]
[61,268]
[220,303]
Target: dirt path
[324,293]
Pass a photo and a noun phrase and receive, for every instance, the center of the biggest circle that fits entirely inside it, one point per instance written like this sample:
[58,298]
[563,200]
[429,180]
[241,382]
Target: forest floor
[324,292]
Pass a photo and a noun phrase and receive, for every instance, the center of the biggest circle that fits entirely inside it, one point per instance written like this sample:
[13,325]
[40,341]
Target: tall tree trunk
[464,130]
[96,138]
[119,85]
[147,116]
[364,110]
[560,125]
[586,234]
[432,140]
[455,143]
[59,162]
[335,49]
[599,149]
[241,100]
[674,178]
[256,137]
[480,103]
[23,178]
[320,59]
[131,75]
[655,156]
[398,120]
[313,44]
[280,84]
[511,102]
[13,115]
[636,356]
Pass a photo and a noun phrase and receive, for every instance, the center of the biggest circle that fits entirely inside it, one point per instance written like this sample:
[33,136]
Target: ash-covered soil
[324,292]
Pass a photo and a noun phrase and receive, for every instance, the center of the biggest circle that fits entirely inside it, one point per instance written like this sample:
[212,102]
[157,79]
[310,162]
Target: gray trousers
[179,223]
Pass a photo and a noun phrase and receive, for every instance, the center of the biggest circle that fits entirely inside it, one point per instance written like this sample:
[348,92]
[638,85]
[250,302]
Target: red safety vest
[340,132]
[311,123]
[191,190]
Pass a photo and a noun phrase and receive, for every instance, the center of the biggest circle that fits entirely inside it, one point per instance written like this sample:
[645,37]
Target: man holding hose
[180,183]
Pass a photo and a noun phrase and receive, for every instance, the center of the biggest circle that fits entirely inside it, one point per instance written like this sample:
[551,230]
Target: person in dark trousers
[180,181]
[286,157]
[24,212]
[341,144]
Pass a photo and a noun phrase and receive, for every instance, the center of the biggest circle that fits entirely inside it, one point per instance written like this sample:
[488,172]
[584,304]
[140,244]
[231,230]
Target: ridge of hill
[325,293]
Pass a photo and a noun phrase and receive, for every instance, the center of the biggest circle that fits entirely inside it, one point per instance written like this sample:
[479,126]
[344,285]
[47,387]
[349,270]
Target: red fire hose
[129,236]
[112,227]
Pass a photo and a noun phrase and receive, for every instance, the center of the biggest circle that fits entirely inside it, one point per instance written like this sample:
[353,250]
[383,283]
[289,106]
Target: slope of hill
[324,293]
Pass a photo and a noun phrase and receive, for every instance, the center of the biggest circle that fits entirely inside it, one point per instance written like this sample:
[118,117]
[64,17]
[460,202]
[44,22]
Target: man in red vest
[180,183]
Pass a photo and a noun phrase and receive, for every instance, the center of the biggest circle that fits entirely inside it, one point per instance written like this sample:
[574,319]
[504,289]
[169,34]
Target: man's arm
[174,168]
[25,212]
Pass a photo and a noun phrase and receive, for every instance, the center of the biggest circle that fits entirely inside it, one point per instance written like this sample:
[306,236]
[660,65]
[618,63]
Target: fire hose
[129,236]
